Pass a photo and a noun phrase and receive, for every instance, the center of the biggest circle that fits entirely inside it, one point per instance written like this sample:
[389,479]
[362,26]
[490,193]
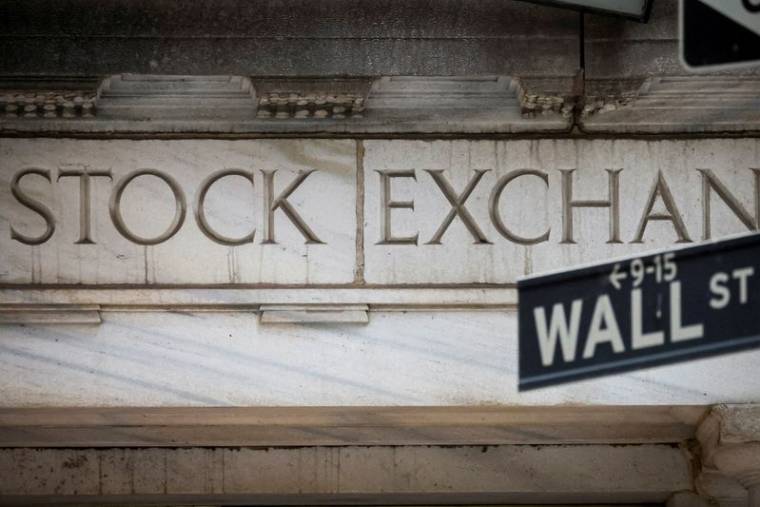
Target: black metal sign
[631,9]
[656,309]
[720,33]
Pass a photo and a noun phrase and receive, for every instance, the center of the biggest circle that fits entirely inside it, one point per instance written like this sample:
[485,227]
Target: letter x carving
[457,206]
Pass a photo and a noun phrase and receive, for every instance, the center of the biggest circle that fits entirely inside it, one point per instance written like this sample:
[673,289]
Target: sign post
[655,309]
[632,9]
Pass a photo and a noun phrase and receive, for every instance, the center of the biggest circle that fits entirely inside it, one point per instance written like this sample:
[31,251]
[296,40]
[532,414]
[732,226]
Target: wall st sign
[660,308]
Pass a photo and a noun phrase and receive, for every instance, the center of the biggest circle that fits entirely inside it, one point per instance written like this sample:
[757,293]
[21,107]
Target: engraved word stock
[273,204]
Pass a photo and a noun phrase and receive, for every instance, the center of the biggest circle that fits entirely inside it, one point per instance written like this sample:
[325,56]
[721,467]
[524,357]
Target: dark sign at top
[655,309]
[720,33]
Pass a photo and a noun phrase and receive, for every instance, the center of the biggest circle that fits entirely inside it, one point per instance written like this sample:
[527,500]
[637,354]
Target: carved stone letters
[433,212]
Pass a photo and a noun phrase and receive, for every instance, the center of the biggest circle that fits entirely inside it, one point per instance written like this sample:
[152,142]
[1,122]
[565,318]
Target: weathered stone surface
[130,104]
[465,474]
[693,104]
[730,444]
[271,18]
[398,358]
[405,245]
[432,355]
[533,206]
[295,37]
[324,203]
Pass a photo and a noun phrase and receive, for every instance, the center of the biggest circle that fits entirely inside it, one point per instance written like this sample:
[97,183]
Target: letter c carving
[200,212]
[493,206]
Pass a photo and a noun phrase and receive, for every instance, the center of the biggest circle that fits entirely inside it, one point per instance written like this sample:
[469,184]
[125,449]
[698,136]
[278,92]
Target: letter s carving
[33,205]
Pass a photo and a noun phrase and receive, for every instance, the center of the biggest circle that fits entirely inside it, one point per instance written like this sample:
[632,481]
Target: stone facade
[267,253]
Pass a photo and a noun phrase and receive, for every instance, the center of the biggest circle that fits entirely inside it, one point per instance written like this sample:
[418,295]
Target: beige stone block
[149,472]
[323,202]
[519,223]
[508,474]
[416,358]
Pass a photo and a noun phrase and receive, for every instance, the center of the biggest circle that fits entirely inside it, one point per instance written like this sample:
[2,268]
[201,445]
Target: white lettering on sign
[558,328]
[604,329]
[722,294]
[640,339]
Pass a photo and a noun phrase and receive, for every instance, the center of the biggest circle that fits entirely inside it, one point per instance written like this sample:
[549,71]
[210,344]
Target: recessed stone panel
[408,358]
[273,212]
[485,212]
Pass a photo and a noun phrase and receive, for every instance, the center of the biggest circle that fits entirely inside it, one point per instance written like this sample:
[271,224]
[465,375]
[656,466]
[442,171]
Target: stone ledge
[314,314]
[152,104]
[671,105]
[346,475]
[399,105]
[50,314]
[388,298]
[298,426]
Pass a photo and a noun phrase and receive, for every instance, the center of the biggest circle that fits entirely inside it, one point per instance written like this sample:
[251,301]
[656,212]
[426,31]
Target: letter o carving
[114,207]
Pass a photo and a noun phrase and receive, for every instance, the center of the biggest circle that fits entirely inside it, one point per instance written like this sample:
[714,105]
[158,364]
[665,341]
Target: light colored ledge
[314,314]
[247,299]
[333,426]
[50,314]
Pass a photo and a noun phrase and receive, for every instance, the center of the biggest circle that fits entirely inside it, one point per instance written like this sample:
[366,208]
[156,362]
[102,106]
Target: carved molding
[693,104]
[48,105]
[397,105]
[50,314]
[313,99]
[128,103]
[294,105]
[37,98]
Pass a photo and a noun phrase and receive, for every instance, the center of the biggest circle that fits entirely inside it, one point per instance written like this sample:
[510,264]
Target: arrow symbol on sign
[616,276]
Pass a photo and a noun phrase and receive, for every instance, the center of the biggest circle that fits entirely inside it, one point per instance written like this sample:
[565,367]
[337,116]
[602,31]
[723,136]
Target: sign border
[706,69]
[635,363]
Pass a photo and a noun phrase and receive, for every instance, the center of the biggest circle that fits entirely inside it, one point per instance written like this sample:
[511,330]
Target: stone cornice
[693,104]
[146,104]
[156,104]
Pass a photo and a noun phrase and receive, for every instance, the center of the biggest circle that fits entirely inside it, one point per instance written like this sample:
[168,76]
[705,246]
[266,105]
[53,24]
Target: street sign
[718,34]
[633,9]
[655,309]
